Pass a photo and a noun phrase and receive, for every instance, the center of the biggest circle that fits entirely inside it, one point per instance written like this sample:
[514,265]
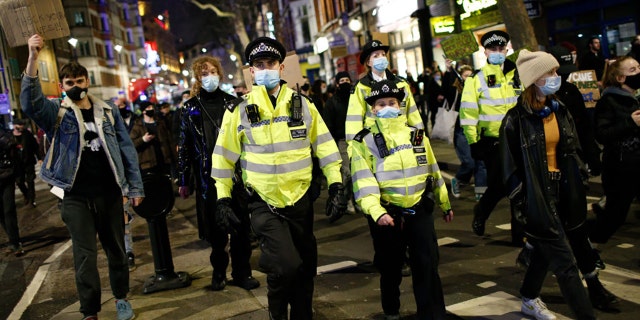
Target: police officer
[274,132]
[487,96]
[374,57]
[396,181]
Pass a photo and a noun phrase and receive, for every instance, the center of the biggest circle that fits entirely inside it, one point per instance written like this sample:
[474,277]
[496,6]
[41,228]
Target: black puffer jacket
[525,173]
[615,128]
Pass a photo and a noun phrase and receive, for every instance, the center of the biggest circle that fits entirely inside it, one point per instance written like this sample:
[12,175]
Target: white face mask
[210,83]
[268,78]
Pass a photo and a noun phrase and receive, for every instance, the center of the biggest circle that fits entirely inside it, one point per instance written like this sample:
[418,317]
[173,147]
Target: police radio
[253,113]
[296,109]
[378,139]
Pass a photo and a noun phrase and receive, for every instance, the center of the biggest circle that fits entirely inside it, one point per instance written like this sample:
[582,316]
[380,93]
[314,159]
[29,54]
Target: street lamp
[73,42]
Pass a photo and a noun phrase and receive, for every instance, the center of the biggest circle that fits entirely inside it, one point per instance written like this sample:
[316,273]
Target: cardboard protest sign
[292,73]
[587,83]
[21,19]
[460,46]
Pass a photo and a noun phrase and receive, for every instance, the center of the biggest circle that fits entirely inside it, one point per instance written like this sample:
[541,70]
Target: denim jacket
[67,141]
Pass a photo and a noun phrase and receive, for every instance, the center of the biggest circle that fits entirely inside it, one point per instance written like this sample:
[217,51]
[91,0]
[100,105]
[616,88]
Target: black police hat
[20,122]
[370,47]
[494,38]
[564,58]
[384,89]
[264,47]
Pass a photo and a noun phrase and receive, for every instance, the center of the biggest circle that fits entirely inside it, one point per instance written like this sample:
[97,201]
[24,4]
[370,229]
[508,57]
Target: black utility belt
[555,175]
[399,211]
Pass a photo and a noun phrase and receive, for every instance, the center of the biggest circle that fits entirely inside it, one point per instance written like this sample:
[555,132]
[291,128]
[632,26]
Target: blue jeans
[468,166]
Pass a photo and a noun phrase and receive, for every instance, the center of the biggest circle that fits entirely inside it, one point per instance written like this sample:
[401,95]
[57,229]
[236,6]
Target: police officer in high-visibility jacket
[487,96]
[374,57]
[274,132]
[396,182]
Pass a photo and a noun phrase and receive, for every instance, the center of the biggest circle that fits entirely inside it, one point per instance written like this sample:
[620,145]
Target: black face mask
[76,93]
[150,113]
[633,81]
[125,113]
[305,87]
[344,89]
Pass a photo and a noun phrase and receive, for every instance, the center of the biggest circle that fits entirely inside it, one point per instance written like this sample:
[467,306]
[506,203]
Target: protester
[276,132]
[453,84]
[487,96]
[544,179]
[593,59]
[318,94]
[634,52]
[617,121]
[127,115]
[335,116]
[201,124]
[94,161]
[28,155]
[400,216]
[435,95]
[9,157]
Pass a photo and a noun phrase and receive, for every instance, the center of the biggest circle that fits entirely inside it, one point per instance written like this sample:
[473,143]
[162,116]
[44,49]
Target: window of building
[84,48]
[78,18]
[43,70]
[125,13]
[100,50]
[129,37]
[141,41]
[92,77]
[109,51]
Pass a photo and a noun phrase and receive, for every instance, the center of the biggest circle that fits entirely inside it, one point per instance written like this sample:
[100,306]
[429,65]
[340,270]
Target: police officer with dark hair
[275,132]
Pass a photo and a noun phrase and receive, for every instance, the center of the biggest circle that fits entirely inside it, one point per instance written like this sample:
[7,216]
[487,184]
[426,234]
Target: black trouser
[25,180]
[620,184]
[240,246]
[85,216]
[495,187]
[9,216]
[289,255]
[557,255]
[417,232]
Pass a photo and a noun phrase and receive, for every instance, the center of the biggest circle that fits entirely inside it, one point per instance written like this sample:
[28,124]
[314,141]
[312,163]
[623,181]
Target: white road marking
[35,284]
[625,245]
[506,226]
[446,240]
[335,266]
[487,284]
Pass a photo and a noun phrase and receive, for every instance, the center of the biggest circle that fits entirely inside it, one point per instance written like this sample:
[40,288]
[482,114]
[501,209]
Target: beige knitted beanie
[533,65]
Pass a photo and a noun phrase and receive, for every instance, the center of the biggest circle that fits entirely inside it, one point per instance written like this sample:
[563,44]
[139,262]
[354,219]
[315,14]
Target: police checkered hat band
[384,89]
[494,38]
[264,47]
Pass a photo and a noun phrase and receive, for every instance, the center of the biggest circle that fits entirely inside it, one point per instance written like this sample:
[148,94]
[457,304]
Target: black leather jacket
[525,172]
[194,149]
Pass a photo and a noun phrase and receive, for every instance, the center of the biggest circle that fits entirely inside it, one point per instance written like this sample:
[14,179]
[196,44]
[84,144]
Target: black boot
[479,221]
[601,298]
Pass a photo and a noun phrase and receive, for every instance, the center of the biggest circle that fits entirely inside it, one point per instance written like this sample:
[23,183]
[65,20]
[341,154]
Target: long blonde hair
[198,65]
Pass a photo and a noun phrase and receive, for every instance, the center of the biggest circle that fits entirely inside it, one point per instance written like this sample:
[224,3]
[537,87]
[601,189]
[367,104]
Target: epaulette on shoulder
[360,135]
[231,105]
[475,72]
[353,87]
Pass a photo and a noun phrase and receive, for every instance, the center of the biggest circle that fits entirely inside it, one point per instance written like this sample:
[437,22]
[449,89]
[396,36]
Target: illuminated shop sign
[475,13]
[444,25]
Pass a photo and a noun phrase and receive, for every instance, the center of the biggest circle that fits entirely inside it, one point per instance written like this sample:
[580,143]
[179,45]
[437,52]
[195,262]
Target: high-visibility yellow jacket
[275,158]
[359,113]
[486,98]
[399,178]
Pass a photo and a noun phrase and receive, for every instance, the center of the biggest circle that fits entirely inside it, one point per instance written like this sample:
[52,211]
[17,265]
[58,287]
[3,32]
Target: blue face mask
[268,78]
[388,112]
[497,58]
[380,64]
[210,83]
[551,85]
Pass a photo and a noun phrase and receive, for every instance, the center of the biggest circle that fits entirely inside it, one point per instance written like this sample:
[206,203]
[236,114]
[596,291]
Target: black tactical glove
[225,218]
[337,202]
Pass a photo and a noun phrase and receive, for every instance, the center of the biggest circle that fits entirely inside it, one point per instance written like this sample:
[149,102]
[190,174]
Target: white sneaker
[537,309]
